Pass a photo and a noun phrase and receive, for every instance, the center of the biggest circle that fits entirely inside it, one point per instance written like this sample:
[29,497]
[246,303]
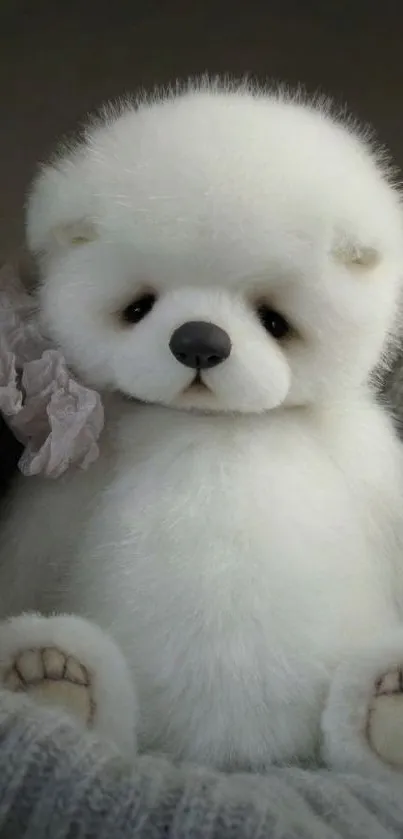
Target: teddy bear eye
[138,309]
[273,322]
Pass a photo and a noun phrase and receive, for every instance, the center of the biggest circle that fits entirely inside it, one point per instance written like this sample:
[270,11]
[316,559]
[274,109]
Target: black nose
[200,345]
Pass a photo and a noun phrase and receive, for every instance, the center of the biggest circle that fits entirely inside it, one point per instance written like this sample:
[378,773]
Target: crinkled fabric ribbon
[58,420]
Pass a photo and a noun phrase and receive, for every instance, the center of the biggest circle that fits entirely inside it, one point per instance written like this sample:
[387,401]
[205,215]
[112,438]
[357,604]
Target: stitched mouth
[197,385]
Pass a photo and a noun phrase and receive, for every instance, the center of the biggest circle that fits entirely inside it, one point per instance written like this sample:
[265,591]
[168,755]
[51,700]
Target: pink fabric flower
[58,420]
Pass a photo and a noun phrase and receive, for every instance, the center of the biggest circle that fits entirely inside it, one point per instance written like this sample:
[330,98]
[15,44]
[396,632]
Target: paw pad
[385,718]
[54,678]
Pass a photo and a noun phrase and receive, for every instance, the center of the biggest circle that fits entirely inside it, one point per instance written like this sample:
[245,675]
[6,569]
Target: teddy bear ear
[74,234]
[355,255]
[28,262]
[59,209]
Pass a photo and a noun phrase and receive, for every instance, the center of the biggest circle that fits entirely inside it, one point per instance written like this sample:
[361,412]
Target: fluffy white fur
[237,540]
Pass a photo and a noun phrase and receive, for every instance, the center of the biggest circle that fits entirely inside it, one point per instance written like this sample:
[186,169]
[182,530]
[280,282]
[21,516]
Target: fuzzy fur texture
[238,538]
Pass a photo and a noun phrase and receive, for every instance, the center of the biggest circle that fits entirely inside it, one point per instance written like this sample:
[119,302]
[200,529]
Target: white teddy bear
[224,267]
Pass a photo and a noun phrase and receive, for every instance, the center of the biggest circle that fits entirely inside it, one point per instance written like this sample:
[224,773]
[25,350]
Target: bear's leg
[69,662]
[363,721]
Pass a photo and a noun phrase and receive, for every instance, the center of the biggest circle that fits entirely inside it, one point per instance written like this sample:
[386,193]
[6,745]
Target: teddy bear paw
[385,718]
[53,677]
[67,662]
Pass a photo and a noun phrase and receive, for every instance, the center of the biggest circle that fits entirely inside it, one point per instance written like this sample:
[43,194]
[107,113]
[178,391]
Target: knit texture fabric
[58,782]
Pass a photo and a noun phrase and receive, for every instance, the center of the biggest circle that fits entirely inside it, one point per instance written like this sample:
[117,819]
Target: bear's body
[225,267]
[194,548]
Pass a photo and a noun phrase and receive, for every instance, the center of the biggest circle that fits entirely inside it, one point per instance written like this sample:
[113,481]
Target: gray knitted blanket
[57,782]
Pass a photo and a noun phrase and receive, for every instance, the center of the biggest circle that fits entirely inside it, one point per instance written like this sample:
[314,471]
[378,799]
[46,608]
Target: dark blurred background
[59,60]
